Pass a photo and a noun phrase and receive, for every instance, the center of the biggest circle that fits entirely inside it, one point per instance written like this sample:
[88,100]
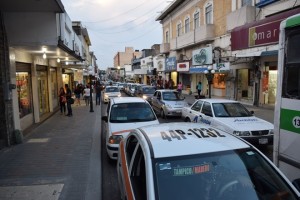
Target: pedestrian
[77,93]
[179,87]
[98,93]
[68,97]
[62,101]
[87,93]
[199,89]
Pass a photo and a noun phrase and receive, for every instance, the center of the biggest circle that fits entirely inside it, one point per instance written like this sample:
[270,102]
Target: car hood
[112,93]
[125,128]
[176,104]
[245,123]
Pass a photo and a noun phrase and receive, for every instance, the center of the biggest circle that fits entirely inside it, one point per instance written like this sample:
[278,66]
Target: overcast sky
[115,24]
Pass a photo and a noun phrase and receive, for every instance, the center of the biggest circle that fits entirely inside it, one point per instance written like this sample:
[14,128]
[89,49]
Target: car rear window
[131,112]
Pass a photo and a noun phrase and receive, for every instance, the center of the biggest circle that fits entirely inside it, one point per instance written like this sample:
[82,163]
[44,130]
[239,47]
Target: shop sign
[202,56]
[221,67]
[170,64]
[198,69]
[264,34]
[159,64]
[183,67]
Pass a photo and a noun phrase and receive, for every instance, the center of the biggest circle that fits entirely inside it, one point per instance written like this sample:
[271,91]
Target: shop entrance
[43,92]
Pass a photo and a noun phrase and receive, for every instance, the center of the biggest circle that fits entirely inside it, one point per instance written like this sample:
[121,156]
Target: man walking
[68,97]
[98,93]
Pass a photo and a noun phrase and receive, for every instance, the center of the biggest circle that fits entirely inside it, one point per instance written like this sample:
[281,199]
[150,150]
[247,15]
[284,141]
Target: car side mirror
[252,112]
[104,118]
[296,183]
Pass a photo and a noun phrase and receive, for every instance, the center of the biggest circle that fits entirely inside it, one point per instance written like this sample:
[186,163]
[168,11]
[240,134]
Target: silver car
[109,92]
[168,103]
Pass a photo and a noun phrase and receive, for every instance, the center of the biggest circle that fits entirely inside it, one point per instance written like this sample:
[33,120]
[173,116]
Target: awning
[250,54]
[257,54]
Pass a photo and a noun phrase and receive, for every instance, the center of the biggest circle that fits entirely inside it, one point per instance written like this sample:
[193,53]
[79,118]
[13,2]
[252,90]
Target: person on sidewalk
[199,89]
[68,97]
[62,101]
[87,93]
[179,87]
[98,93]
[77,93]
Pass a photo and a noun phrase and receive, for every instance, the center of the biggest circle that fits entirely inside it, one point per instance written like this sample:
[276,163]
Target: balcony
[240,17]
[202,34]
[165,48]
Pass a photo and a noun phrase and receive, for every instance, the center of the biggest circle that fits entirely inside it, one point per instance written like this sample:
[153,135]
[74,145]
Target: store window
[219,81]
[24,93]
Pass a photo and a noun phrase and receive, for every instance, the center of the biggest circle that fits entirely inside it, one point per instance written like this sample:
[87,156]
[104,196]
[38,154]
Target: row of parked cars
[204,159]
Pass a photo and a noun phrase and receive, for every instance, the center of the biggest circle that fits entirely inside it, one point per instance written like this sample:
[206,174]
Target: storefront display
[24,93]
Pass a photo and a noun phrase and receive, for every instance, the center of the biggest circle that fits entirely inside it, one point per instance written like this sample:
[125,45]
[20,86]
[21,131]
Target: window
[167,40]
[197,106]
[209,14]
[179,29]
[187,25]
[206,109]
[246,2]
[24,93]
[196,20]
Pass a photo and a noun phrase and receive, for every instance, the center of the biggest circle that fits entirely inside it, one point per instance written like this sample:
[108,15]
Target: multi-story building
[238,39]
[124,58]
[40,53]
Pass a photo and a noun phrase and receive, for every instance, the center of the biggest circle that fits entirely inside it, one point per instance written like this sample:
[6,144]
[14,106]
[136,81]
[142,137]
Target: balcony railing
[202,34]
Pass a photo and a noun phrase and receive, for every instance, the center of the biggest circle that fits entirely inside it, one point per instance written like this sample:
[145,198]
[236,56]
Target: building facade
[238,39]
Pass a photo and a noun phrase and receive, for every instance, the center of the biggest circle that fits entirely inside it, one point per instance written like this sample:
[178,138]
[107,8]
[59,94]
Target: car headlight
[144,97]
[106,96]
[168,106]
[271,132]
[119,95]
[241,133]
[115,139]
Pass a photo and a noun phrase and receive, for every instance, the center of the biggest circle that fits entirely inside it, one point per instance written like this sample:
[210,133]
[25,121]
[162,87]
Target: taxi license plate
[263,141]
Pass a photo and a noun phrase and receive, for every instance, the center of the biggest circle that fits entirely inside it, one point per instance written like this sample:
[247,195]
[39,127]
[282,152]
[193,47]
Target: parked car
[168,102]
[232,117]
[195,161]
[145,92]
[110,92]
[124,114]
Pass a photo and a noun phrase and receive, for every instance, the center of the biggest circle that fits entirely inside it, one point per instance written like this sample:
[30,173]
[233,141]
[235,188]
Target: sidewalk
[59,159]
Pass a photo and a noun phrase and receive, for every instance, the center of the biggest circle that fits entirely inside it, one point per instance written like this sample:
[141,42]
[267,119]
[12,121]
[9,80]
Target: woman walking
[62,101]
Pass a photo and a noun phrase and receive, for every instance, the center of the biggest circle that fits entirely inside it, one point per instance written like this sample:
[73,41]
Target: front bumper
[260,140]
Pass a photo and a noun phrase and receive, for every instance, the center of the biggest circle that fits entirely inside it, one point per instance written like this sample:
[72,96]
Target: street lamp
[209,73]
[91,89]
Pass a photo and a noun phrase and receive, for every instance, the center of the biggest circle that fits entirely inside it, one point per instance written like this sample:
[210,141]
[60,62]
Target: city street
[65,158]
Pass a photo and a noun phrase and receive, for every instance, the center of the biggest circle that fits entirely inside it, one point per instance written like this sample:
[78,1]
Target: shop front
[24,94]
[170,72]
[42,86]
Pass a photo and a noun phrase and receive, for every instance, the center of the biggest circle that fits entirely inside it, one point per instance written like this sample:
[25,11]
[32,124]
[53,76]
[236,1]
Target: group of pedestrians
[66,100]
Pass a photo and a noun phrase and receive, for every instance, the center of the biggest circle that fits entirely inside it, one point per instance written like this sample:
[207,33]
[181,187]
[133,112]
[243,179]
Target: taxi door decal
[128,190]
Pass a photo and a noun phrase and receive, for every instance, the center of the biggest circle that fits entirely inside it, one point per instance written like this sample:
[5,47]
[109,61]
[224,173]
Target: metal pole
[209,86]
[91,93]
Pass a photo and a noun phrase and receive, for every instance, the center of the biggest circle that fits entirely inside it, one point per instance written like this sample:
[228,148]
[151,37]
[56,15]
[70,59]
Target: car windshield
[148,90]
[171,96]
[241,174]
[131,112]
[112,89]
[230,110]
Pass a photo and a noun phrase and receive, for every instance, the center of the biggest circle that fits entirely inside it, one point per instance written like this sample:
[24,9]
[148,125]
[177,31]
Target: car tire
[187,119]
[162,114]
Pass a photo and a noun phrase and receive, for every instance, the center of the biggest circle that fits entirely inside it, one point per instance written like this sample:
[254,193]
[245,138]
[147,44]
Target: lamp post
[91,89]
[209,73]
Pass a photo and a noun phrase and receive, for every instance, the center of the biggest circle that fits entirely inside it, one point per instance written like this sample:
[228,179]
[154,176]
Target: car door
[206,115]
[154,101]
[132,170]
[194,112]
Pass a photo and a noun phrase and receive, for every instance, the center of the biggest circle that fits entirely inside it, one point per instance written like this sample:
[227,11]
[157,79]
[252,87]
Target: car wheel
[162,114]
[187,119]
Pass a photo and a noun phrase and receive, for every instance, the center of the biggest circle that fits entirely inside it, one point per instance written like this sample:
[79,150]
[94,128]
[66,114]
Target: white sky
[115,24]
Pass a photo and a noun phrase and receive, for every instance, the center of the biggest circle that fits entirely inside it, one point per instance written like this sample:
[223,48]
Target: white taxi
[230,116]
[124,114]
[110,92]
[195,161]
